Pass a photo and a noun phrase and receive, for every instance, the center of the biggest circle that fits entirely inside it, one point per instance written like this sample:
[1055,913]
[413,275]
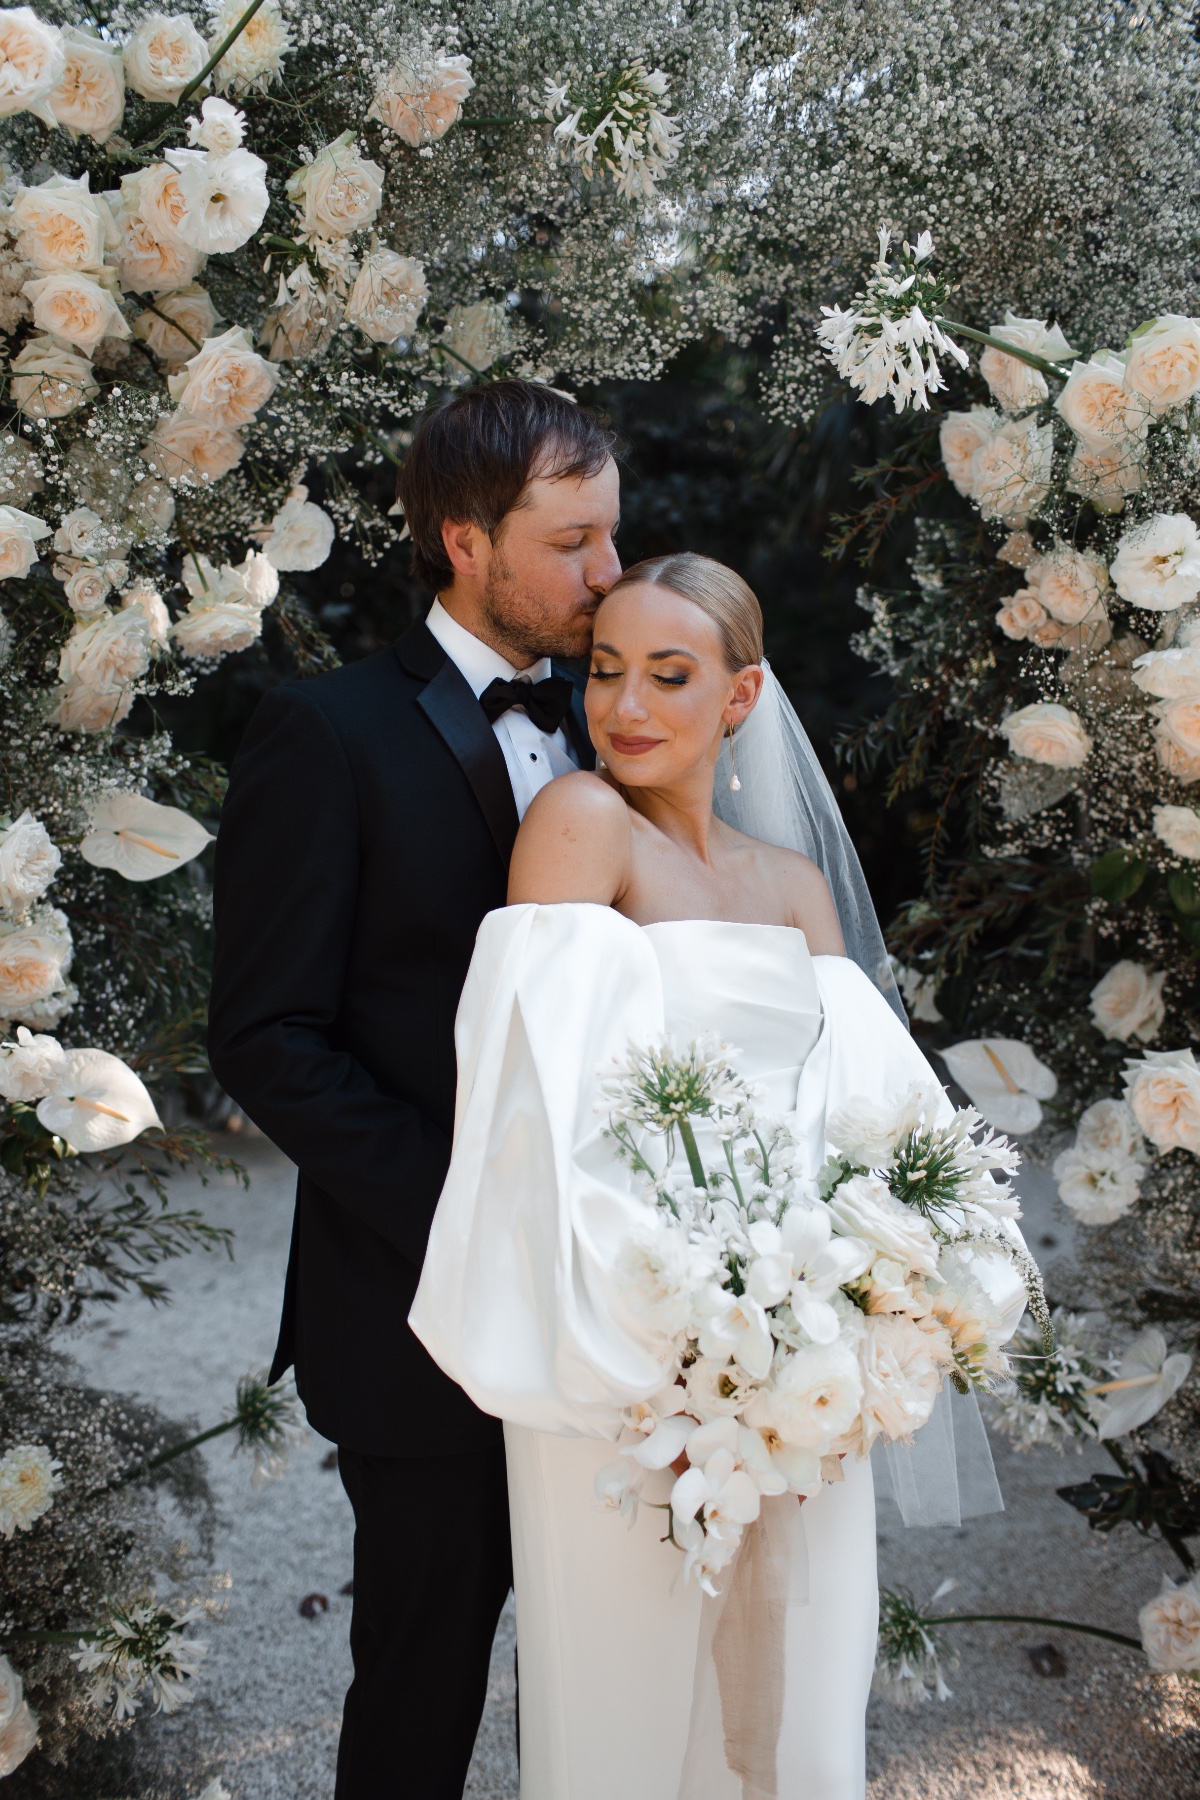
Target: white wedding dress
[622,1694]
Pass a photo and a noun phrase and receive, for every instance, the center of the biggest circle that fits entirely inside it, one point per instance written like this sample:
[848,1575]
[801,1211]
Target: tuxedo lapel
[460,721]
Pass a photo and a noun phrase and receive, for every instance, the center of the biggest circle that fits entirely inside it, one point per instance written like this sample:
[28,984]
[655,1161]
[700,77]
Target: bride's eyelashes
[614,675]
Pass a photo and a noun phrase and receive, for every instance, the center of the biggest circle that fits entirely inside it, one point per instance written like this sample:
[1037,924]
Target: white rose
[61,225]
[220,127]
[253,580]
[87,590]
[146,597]
[303,319]
[1022,615]
[192,450]
[960,435]
[154,195]
[1179,721]
[32,959]
[217,628]
[1105,477]
[1163,1091]
[300,536]
[1157,564]
[1162,364]
[32,58]
[338,192]
[49,382]
[179,324]
[1179,829]
[1096,1190]
[31,1067]
[901,1381]
[225,197]
[90,98]
[1015,384]
[82,532]
[1107,1130]
[815,1398]
[1169,674]
[106,653]
[1173,758]
[79,707]
[1010,471]
[1070,585]
[1047,733]
[73,306]
[422,96]
[478,334]
[863,1207]
[149,263]
[17,1738]
[20,534]
[868,1131]
[388,294]
[1127,1002]
[226,382]
[1170,1628]
[255,59]
[1098,406]
[163,56]
[29,861]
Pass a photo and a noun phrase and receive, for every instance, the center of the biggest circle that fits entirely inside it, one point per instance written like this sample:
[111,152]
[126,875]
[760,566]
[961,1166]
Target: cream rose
[163,56]
[1107,1130]
[1047,733]
[863,1208]
[1098,1191]
[20,534]
[192,450]
[227,382]
[1070,585]
[1016,384]
[220,127]
[49,382]
[1169,674]
[303,319]
[149,264]
[32,59]
[1127,1002]
[422,96]
[1162,364]
[960,436]
[1180,722]
[900,1381]
[255,59]
[1010,471]
[29,861]
[215,628]
[154,195]
[338,192]
[300,536]
[31,966]
[81,708]
[478,334]
[1163,1091]
[90,99]
[1098,406]
[87,590]
[388,294]
[74,307]
[225,198]
[61,225]
[1021,615]
[83,532]
[106,653]
[1173,757]
[146,597]
[1106,477]
[179,324]
[1179,829]
[1157,564]
[1170,1628]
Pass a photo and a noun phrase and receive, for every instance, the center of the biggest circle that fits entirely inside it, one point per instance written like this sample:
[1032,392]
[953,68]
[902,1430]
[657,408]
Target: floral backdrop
[239,250]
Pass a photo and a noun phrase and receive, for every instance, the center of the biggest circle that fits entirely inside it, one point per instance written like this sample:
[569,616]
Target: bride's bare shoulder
[573,844]
[805,893]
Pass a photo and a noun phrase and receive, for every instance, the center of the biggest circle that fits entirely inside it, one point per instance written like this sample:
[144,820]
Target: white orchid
[617,1489]
[1004,1079]
[802,1261]
[736,1325]
[717,1492]
[1144,1382]
[138,838]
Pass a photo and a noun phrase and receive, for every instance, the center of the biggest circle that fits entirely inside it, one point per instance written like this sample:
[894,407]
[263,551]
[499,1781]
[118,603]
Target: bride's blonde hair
[717,591]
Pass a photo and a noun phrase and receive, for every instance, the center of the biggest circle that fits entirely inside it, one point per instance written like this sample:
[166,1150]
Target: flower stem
[445,349]
[218,53]
[1113,1637]
[995,343]
[692,1153]
[165,1456]
[48,1637]
[174,324]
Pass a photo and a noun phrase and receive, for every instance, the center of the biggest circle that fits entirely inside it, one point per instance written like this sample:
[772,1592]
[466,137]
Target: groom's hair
[474,454]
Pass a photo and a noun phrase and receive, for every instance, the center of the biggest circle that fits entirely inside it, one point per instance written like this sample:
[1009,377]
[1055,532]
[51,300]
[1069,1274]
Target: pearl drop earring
[735,786]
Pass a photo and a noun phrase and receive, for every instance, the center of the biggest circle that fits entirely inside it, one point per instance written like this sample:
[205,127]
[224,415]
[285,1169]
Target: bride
[638,907]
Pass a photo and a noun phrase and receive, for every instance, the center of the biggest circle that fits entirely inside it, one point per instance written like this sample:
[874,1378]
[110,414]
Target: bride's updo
[717,591]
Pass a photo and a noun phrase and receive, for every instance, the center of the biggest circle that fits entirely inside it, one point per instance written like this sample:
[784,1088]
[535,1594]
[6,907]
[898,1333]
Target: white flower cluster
[29,1480]
[141,1646]
[619,123]
[795,1326]
[888,340]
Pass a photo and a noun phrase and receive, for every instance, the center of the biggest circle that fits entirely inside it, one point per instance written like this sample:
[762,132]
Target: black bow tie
[547,702]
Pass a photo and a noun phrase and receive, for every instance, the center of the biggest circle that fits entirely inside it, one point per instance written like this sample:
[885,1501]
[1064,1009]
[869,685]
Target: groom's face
[551,563]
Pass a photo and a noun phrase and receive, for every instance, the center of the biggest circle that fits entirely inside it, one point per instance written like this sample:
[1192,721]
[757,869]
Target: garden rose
[154,194]
[217,627]
[1047,733]
[30,1068]
[388,294]
[1170,1628]
[20,534]
[1010,471]
[90,98]
[33,959]
[1162,363]
[192,450]
[87,590]
[815,1399]
[79,707]
[900,1381]
[862,1207]
[300,536]
[478,333]
[960,436]
[1127,1002]
[150,264]
[303,319]
[1179,829]
[32,59]
[1015,384]
[1163,1091]
[163,56]
[49,382]
[338,192]
[1022,614]
[1097,1190]
[1098,406]
[179,324]
[1173,758]
[1070,585]
[422,96]
[255,59]
[254,579]
[1157,564]
[1107,1129]
[1169,674]
[74,307]
[225,197]
[106,653]
[226,382]
[1179,721]
[220,127]
[1106,477]
[18,1736]
[29,1480]
[29,861]
[62,225]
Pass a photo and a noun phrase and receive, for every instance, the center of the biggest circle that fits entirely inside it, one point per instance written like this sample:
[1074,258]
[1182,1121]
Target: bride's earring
[735,786]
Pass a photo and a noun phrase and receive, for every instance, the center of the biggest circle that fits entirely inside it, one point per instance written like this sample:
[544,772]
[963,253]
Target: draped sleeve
[517,1302]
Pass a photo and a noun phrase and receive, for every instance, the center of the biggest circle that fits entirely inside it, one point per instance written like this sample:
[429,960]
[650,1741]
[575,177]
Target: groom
[367,830]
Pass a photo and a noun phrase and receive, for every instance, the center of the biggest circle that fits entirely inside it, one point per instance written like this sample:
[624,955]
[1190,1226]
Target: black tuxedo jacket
[367,830]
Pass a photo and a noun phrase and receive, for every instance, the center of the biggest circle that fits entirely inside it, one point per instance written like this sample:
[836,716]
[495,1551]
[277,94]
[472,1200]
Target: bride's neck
[683,812]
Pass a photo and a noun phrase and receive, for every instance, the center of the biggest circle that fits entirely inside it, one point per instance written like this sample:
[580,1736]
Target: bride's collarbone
[670,887]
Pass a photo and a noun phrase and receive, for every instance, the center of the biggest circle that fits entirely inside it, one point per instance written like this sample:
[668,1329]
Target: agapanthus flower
[888,340]
[139,1647]
[617,122]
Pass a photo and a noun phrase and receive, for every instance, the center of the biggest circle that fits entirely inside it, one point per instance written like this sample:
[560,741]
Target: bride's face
[660,694]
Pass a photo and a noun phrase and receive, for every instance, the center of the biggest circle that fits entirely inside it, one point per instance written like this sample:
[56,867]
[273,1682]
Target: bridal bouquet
[797,1321]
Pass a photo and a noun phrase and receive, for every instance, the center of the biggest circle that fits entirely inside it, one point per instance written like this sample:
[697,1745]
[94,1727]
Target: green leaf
[1118,875]
[1190,929]
[1185,894]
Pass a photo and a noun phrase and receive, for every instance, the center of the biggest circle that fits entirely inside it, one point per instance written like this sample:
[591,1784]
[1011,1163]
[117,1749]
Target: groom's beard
[531,627]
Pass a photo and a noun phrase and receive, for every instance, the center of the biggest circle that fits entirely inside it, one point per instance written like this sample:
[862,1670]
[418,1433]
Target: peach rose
[106,653]
[1174,758]
[226,382]
[163,56]
[90,99]
[1170,1628]
[192,450]
[1106,477]
[1179,829]
[1048,733]
[1018,549]
[149,264]
[1181,722]
[1127,1002]
[62,225]
[255,59]
[1010,471]
[960,436]
[32,58]
[82,708]
[1098,406]
[179,324]
[1069,585]
[422,96]
[338,192]
[74,307]
[1020,616]
[1162,364]
[388,294]
[31,965]
[49,382]
[155,196]
[1163,1090]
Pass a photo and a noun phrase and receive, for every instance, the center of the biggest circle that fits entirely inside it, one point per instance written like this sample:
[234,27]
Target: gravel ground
[266,1716]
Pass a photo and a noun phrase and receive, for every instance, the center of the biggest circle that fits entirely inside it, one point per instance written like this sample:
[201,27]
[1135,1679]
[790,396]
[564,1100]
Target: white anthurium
[800,1258]
[1004,1079]
[1144,1382]
[737,1326]
[98,1104]
[138,838]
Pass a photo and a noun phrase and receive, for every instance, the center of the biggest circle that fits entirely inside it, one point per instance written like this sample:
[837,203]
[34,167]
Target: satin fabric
[517,1302]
